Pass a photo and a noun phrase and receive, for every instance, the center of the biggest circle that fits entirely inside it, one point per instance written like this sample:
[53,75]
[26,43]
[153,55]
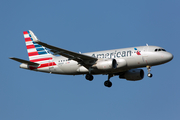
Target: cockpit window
[159,50]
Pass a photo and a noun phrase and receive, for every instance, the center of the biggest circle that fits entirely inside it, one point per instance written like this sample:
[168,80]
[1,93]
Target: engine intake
[133,75]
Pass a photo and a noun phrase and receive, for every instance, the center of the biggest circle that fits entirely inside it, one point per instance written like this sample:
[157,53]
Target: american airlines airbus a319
[122,62]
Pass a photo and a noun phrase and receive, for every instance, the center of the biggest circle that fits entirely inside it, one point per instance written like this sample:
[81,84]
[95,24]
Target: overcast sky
[86,26]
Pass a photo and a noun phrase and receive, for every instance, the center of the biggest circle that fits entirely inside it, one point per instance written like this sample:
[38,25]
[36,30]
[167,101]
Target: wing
[85,60]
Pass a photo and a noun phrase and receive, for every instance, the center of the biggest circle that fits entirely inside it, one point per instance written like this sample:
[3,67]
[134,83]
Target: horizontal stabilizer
[23,61]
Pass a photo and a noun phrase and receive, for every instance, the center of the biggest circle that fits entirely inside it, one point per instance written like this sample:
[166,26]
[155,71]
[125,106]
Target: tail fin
[36,52]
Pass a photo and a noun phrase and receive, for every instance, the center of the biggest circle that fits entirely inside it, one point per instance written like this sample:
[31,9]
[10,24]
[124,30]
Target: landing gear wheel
[149,70]
[108,83]
[89,77]
[149,75]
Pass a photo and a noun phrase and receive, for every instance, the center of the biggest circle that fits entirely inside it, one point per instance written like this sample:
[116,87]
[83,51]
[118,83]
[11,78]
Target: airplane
[125,63]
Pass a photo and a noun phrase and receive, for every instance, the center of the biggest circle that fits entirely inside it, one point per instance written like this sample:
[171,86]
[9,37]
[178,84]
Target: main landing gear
[89,77]
[149,70]
[107,83]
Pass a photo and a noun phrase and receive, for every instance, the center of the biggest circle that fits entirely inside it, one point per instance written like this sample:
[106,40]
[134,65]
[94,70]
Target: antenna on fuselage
[146,44]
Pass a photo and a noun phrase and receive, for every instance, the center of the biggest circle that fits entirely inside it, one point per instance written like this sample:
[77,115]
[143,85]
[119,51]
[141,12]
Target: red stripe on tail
[33,53]
[25,32]
[27,39]
[30,46]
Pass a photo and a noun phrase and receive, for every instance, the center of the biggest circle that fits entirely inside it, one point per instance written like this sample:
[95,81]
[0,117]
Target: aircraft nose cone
[168,57]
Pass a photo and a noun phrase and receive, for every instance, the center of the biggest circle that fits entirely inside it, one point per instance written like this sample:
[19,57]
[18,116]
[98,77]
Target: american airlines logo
[115,54]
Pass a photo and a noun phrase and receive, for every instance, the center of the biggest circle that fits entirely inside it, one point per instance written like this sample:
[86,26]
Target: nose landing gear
[149,70]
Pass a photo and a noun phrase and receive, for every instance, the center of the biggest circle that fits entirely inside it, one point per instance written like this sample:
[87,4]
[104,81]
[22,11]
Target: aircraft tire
[149,75]
[108,83]
[89,77]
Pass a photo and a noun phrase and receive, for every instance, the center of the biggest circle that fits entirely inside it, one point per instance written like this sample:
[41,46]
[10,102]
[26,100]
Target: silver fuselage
[135,57]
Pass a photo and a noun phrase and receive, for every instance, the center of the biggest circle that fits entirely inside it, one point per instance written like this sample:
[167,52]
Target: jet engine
[121,63]
[133,75]
[106,64]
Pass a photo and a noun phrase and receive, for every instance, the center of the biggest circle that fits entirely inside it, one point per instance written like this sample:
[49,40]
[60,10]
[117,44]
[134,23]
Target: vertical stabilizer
[36,52]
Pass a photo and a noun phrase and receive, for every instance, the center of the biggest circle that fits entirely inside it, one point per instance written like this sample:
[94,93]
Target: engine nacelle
[107,64]
[121,63]
[133,75]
